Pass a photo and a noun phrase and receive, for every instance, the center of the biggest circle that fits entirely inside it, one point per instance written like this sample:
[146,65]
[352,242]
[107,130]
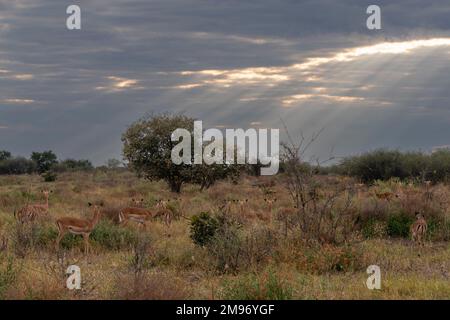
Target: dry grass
[272,263]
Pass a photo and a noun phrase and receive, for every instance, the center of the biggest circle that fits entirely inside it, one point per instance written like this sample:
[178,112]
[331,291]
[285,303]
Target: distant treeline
[385,164]
[39,162]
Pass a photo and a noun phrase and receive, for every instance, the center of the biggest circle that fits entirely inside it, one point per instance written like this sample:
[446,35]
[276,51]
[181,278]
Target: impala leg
[86,243]
[58,239]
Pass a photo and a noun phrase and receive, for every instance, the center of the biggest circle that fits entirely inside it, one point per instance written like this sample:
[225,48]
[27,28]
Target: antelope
[418,229]
[162,210]
[387,195]
[242,204]
[138,203]
[76,226]
[270,203]
[139,215]
[31,212]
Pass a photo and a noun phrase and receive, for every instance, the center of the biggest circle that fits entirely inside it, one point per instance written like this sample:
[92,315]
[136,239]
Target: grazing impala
[418,229]
[139,215]
[32,211]
[387,195]
[82,227]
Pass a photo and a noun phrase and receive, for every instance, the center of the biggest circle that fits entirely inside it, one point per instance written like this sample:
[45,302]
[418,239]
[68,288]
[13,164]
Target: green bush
[8,274]
[49,176]
[398,225]
[386,164]
[45,237]
[266,287]
[203,228]
[105,234]
[110,236]
[373,228]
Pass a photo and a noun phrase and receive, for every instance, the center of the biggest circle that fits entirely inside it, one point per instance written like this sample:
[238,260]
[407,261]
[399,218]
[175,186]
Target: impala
[387,195]
[138,203]
[32,211]
[418,229]
[270,203]
[139,215]
[76,226]
[162,210]
[242,205]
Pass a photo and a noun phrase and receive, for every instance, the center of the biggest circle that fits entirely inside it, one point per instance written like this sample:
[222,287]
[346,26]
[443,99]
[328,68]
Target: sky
[232,64]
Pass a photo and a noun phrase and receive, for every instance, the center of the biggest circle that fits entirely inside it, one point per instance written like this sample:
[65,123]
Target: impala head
[46,193]
[162,203]
[242,202]
[137,202]
[96,207]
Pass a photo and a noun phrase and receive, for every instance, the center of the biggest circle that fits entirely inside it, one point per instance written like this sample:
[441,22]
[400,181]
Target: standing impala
[419,229]
[82,227]
[32,211]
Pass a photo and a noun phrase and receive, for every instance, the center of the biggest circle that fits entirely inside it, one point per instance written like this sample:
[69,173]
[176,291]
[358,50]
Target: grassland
[163,262]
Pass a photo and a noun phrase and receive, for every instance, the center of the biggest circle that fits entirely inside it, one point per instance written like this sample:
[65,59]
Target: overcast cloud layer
[231,63]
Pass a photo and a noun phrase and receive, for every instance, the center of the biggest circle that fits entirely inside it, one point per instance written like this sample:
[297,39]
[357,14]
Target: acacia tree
[44,160]
[148,148]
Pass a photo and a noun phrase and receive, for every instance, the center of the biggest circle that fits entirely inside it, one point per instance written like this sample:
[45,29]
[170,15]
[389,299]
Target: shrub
[269,286]
[226,246]
[17,165]
[45,237]
[373,228]
[141,251]
[49,176]
[398,225]
[385,164]
[257,248]
[8,274]
[203,228]
[111,236]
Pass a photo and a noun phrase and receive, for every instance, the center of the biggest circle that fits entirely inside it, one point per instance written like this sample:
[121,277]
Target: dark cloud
[76,91]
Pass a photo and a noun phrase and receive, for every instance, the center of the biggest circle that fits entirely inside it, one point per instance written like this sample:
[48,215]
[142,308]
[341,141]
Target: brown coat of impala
[419,229]
[79,226]
[32,211]
[139,215]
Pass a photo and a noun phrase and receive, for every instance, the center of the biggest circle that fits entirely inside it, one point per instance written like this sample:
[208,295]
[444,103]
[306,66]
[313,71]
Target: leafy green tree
[5,155]
[44,160]
[148,148]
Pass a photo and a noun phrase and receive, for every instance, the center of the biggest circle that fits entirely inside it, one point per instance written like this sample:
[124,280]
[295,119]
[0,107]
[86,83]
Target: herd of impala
[139,214]
[84,227]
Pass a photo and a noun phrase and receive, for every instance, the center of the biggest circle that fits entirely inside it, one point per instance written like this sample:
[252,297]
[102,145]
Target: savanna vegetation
[306,233]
